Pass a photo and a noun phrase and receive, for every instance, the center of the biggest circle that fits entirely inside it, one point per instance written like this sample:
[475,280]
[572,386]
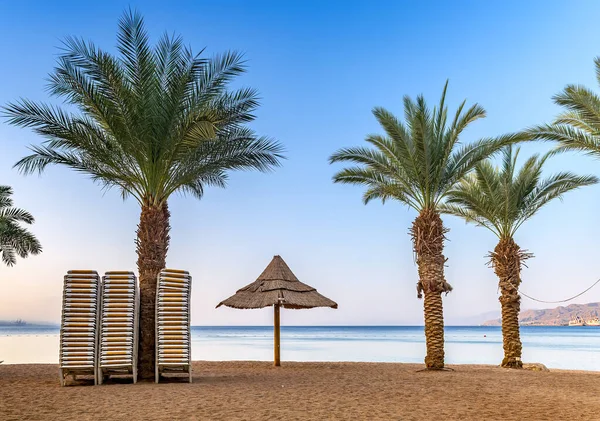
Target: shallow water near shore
[573,348]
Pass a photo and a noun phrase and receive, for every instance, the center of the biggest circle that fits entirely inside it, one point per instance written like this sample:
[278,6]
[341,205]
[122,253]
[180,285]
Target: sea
[573,348]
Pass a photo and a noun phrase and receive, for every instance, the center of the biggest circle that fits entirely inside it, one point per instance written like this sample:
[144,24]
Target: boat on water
[593,322]
[577,321]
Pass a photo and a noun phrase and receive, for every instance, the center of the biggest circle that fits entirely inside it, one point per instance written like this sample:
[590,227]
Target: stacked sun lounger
[79,324]
[173,345]
[119,326]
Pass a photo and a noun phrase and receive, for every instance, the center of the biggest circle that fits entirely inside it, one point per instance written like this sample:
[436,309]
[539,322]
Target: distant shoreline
[482,326]
[28,324]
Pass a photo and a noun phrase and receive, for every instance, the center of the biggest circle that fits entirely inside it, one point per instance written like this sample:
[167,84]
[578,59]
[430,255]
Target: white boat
[577,321]
[593,322]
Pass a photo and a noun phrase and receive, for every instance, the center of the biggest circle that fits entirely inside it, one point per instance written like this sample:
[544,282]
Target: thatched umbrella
[277,286]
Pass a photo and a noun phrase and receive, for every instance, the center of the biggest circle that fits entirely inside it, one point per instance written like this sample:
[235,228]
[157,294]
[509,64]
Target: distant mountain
[559,316]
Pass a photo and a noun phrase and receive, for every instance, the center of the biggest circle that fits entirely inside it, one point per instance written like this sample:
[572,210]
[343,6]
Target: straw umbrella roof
[277,285]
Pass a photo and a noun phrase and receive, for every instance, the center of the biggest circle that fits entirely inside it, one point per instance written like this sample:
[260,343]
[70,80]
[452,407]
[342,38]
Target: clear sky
[320,67]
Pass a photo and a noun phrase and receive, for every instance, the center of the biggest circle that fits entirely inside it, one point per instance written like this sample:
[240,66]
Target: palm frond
[551,188]
[468,215]
[15,241]
[578,126]
[16,215]
[465,158]
[238,149]
[582,102]
[568,137]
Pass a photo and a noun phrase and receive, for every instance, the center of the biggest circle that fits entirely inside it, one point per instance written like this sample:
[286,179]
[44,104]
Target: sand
[307,391]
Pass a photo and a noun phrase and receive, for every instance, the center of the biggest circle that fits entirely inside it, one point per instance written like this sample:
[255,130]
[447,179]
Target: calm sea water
[575,348]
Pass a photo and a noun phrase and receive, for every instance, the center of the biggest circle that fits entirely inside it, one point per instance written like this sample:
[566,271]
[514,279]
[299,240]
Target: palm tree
[14,239]
[578,127]
[417,163]
[501,200]
[151,122]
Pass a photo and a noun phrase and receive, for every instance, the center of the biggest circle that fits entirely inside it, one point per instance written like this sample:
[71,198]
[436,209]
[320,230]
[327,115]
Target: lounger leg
[156,374]
[61,376]
[100,376]
[190,371]
[134,373]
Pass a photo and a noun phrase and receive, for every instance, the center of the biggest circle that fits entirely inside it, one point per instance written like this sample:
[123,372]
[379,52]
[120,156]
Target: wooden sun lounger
[118,342]
[79,324]
[173,339]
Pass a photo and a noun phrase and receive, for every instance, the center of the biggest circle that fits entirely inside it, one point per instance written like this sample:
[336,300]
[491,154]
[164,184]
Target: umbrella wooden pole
[276,327]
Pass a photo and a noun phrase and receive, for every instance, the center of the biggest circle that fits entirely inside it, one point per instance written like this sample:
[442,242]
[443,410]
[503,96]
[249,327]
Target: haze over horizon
[320,69]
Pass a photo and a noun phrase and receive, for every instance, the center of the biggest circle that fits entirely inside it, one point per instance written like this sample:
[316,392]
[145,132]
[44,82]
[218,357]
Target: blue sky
[320,68]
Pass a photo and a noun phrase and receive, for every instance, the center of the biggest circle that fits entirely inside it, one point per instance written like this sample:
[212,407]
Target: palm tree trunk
[428,235]
[152,245]
[507,258]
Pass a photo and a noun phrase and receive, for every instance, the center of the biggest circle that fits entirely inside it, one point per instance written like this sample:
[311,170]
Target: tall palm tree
[14,239]
[151,122]
[501,200]
[578,127]
[417,163]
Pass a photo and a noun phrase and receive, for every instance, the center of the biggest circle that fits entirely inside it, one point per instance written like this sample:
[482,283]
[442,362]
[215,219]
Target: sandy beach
[301,391]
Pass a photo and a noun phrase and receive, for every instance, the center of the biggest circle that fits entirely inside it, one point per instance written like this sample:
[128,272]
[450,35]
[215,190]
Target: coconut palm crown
[15,240]
[417,162]
[501,199]
[150,121]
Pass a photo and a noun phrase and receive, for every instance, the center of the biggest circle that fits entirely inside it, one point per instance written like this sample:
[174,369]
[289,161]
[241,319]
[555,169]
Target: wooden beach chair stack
[79,324]
[119,325]
[173,342]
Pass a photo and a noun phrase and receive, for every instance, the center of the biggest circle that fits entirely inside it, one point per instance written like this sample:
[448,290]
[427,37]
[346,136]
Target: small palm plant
[578,127]
[501,200]
[417,163]
[14,239]
[151,122]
